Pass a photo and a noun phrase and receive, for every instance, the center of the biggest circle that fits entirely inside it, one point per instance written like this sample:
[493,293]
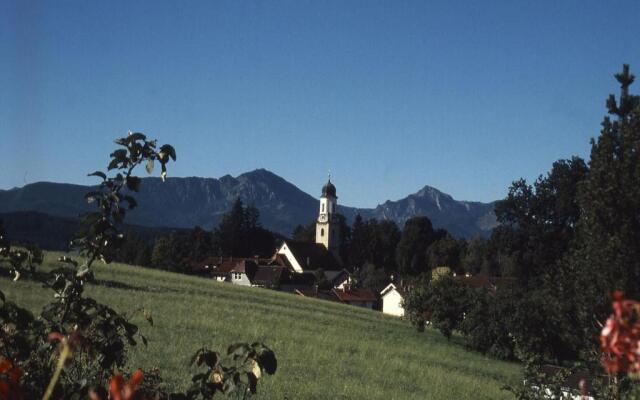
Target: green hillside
[325,350]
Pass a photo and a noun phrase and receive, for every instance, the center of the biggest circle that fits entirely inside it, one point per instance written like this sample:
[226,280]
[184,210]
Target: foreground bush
[77,347]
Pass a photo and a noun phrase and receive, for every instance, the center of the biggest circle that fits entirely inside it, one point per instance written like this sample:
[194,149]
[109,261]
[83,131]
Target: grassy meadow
[325,350]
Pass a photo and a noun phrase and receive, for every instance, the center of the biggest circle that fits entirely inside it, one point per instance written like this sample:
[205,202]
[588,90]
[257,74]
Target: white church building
[324,253]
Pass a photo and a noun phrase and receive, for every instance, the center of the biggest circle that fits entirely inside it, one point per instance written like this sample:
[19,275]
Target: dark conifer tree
[607,255]
[305,233]
[417,235]
[358,254]
[240,234]
[388,237]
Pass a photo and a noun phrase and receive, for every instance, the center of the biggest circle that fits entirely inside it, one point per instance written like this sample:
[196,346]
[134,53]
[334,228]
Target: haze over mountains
[187,202]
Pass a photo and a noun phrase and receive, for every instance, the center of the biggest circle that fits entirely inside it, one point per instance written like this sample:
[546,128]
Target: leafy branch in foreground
[78,346]
[113,197]
[238,372]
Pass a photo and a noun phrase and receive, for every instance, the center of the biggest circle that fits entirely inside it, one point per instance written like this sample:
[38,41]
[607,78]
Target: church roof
[313,256]
[329,189]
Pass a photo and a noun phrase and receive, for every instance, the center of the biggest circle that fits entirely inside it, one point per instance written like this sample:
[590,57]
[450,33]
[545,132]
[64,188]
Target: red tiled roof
[246,266]
[317,294]
[355,295]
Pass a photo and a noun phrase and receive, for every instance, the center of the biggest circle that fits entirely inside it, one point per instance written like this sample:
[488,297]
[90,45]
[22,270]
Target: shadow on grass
[125,286]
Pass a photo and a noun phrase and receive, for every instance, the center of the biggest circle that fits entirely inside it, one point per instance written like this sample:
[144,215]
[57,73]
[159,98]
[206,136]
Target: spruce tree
[606,256]
[358,254]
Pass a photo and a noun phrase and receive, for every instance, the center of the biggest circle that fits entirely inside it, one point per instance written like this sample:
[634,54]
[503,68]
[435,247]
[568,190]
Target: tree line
[239,234]
[569,240]
[376,252]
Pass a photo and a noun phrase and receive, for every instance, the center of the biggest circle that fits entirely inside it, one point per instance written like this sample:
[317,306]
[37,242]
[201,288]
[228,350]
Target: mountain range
[194,201]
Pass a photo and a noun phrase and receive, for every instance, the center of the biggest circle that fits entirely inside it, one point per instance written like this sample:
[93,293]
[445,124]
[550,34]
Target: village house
[320,263]
[324,253]
[337,279]
[298,267]
[320,259]
[302,257]
[269,276]
[292,281]
[236,271]
[356,297]
[392,297]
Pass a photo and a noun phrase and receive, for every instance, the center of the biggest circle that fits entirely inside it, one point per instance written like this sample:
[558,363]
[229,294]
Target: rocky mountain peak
[187,202]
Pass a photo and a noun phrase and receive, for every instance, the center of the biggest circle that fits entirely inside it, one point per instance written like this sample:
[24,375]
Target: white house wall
[392,303]
[240,279]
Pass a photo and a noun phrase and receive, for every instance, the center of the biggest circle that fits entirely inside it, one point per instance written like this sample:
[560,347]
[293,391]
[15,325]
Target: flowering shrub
[10,381]
[620,337]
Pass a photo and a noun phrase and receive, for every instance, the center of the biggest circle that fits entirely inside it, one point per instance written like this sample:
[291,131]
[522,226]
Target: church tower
[327,229]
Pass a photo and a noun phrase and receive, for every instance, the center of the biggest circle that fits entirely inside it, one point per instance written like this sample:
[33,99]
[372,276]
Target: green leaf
[137,136]
[98,173]
[113,164]
[196,356]
[149,166]
[267,360]
[238,349]
[169,150]
[211,358]
[119,154]
[133,183]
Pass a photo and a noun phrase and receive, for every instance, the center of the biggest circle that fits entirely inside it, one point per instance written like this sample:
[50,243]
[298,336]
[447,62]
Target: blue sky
[387,95]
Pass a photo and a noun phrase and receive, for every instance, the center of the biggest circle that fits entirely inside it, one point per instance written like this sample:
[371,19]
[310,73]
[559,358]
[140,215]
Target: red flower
[10,381]
[121,390]
[620,337]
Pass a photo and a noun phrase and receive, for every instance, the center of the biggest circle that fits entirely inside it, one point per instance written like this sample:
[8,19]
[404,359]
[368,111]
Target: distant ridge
[193,201]
[55,233]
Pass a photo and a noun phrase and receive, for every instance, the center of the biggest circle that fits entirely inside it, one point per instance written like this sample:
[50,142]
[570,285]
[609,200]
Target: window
[322,207]
[322,232]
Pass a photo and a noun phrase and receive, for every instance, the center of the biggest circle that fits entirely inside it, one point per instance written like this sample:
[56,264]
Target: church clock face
[322,217]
